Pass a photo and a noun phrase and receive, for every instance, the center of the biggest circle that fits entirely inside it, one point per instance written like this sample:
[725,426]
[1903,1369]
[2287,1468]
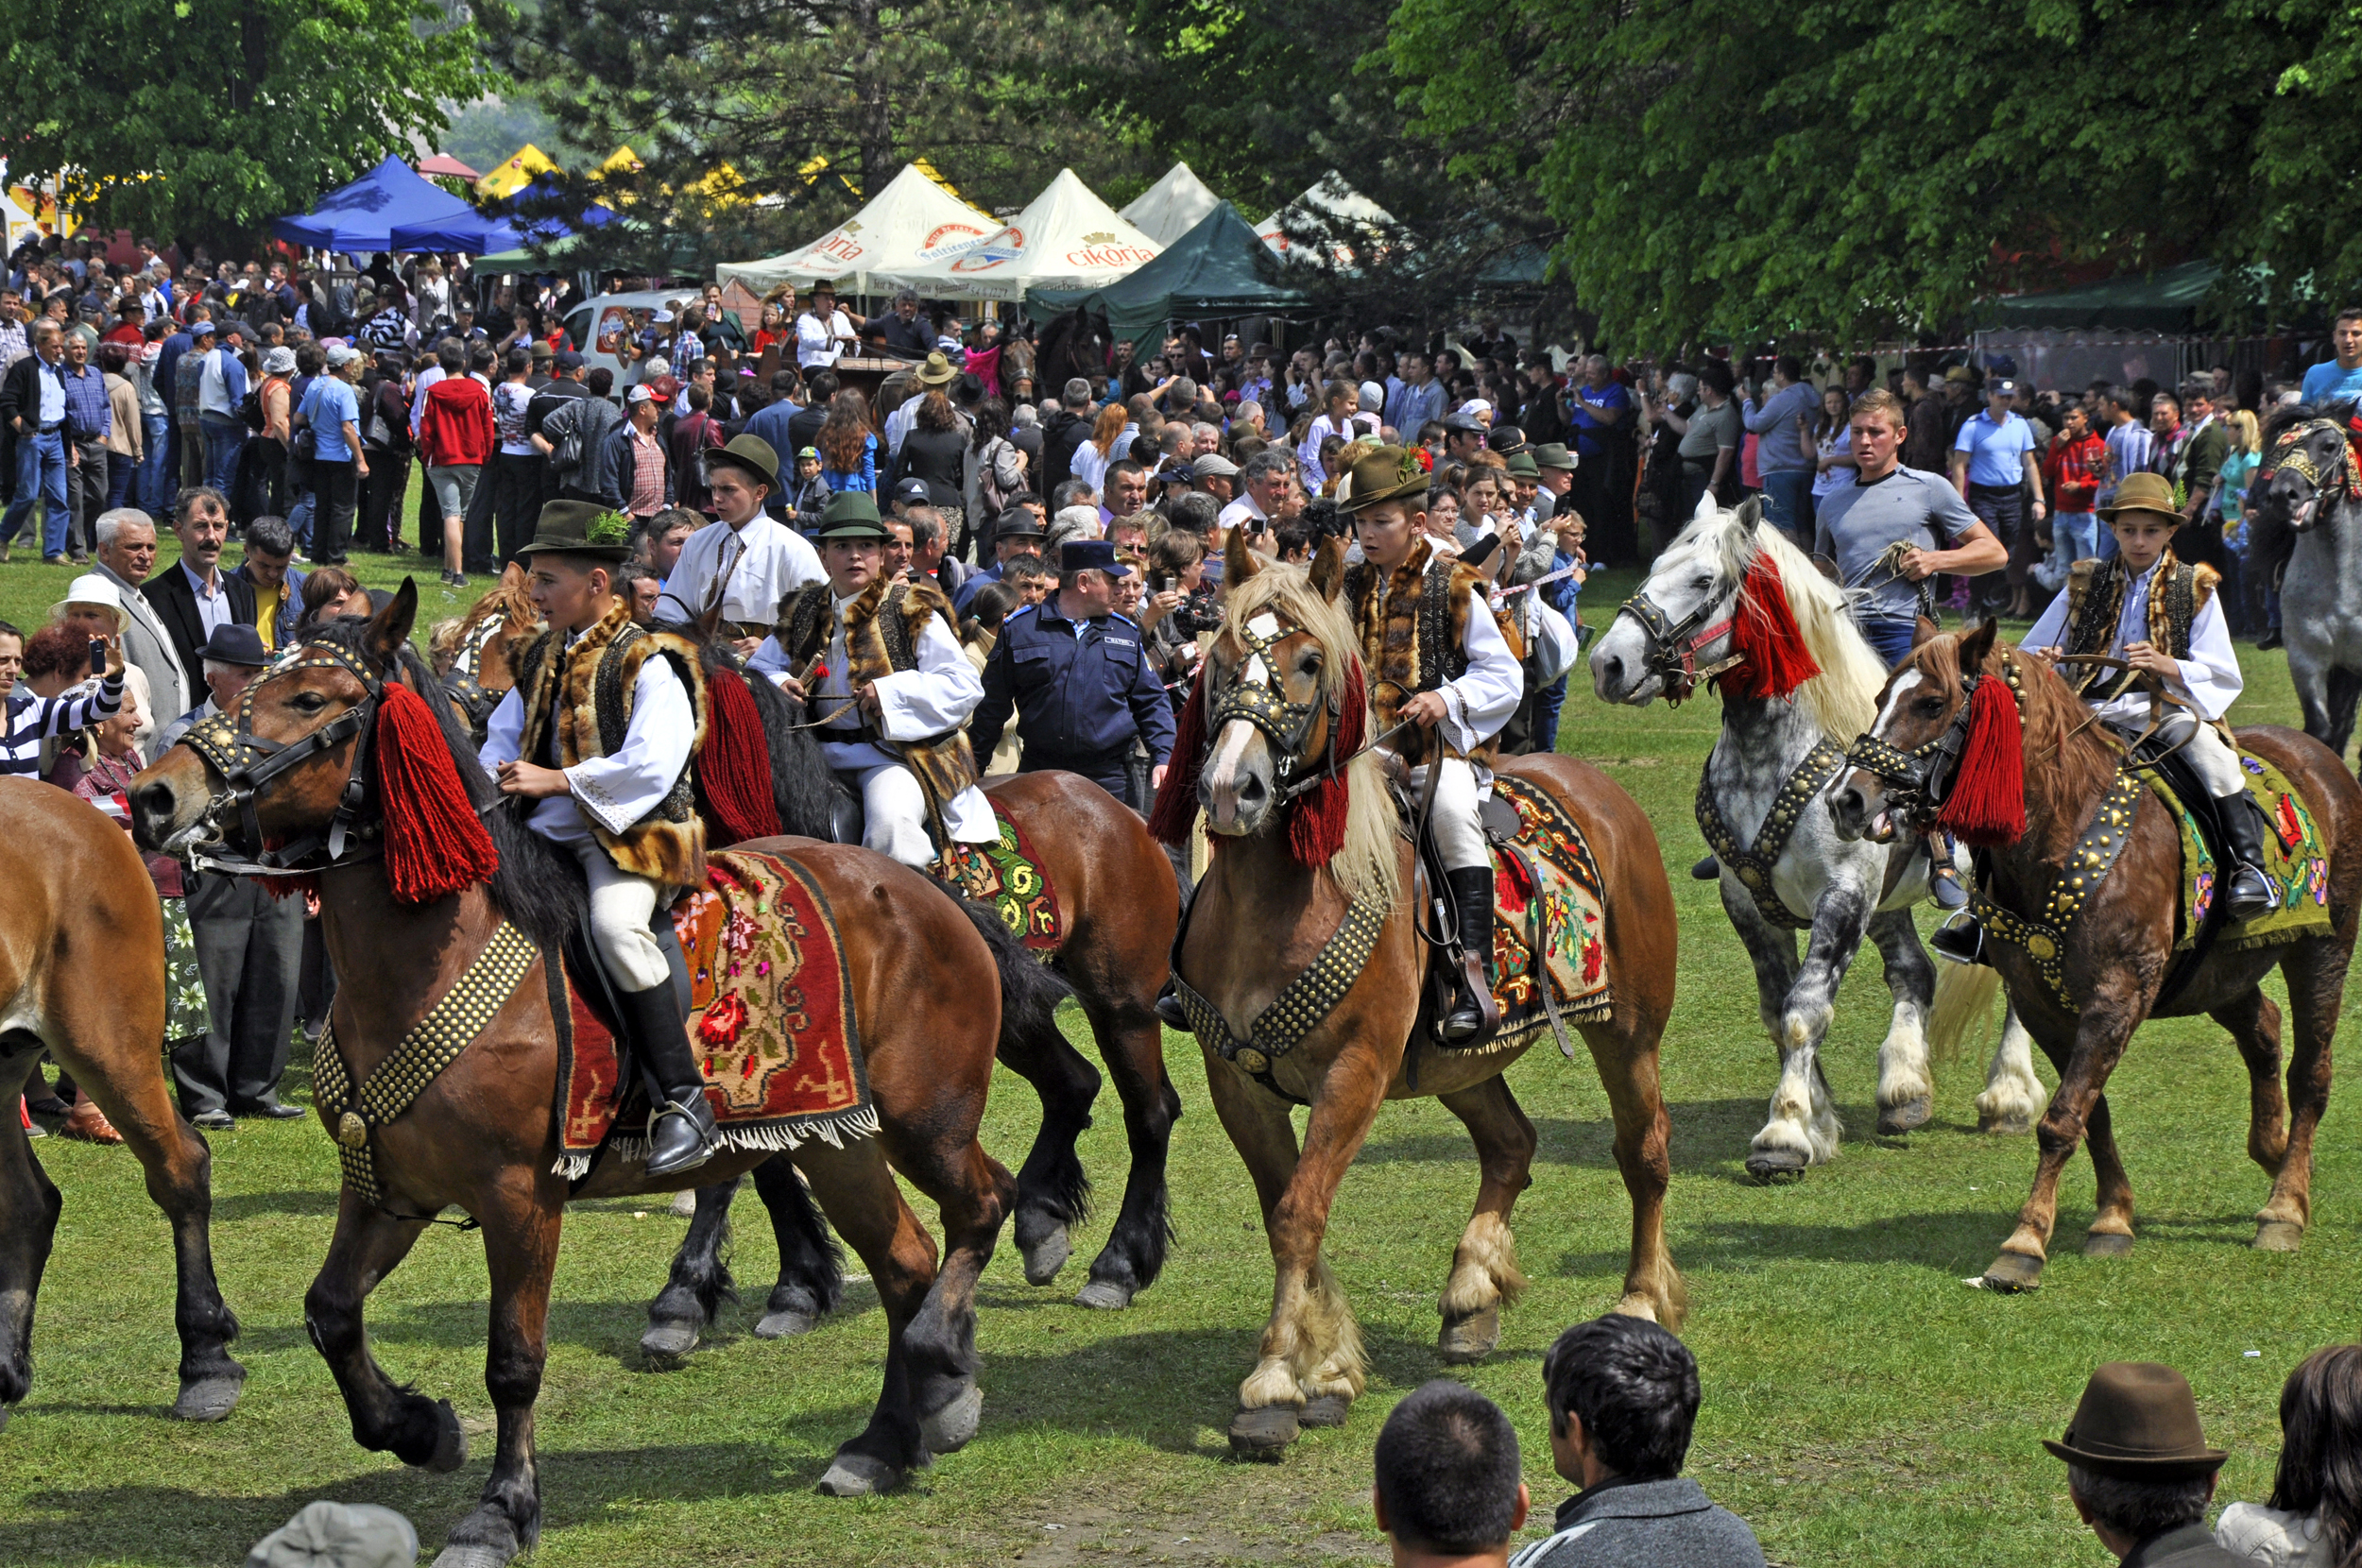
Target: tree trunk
[873,126]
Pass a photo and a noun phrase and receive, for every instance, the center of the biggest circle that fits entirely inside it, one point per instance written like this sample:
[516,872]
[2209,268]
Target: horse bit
[247,761]
[1677,642]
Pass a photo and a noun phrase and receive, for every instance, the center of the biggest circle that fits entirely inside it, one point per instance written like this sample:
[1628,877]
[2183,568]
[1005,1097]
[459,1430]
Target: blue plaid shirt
[88,414]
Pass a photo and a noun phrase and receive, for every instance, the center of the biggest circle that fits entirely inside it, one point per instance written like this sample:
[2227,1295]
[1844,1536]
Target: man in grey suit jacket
[126,545]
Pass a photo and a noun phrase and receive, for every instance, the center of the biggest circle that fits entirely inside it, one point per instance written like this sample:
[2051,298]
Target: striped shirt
[32,720]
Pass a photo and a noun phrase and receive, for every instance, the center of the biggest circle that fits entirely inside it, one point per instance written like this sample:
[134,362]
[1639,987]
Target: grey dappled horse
[2301,509]
[1681,624]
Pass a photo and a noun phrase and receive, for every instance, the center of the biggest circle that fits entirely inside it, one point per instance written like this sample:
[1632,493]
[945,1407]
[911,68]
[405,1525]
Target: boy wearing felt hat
[1436,659]
[880,664]
[732,576]
[614,791]
[2162,616]
[2139,1472]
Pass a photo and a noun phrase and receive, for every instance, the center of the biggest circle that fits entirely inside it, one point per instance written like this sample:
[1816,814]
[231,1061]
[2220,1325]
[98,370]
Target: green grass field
[1863,1407]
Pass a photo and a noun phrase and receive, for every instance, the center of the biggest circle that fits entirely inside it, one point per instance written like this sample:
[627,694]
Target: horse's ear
[1749,513]
[389,628]
[1977,646]
[1238,559]
[513,577]
[1329,569]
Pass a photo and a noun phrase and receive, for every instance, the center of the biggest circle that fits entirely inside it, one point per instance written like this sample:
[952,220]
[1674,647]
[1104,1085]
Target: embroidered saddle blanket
[771,1016]
[1546,922]
[1007,878]
[2295,861]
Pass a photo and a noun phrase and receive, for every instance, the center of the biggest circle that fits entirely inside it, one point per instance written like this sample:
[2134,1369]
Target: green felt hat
[1521,463]
[580,528]
[752,453]
[1553,454]
[851,515]
[1385,473]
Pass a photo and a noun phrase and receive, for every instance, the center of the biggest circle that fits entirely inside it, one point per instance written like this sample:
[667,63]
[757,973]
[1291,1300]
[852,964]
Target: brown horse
[471,654]
[2118,945]
[484,1136]
[80,911]
[1261,919]
[1118,903]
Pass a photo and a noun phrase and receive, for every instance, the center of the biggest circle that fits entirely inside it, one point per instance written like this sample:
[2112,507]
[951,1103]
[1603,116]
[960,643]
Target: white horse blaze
[1222,769]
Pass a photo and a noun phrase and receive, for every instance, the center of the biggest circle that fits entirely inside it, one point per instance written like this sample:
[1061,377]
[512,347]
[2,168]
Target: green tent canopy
[2167,300]
[1221,267]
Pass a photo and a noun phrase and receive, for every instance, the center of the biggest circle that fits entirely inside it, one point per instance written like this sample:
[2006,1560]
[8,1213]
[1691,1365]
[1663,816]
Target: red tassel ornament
[734,764]
[435,844]
[1987,804]
[1175,811]
[1317,828]
[1773,660]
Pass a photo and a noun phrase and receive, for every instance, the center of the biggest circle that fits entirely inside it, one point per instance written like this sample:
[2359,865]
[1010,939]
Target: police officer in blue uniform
[1078,678]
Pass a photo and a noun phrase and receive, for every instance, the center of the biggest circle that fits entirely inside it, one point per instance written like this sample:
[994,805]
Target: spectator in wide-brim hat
[2139,1472]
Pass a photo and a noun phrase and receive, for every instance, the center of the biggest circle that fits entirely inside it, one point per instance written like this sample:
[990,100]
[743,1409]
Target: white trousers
[2202,746]
[1459,836]
[621,903]
[894,814]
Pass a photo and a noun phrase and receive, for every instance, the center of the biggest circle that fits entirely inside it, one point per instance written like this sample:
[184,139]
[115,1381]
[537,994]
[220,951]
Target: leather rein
[1674,644]
[247,762]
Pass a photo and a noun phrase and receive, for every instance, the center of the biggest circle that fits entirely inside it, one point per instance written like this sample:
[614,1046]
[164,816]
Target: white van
[597,325]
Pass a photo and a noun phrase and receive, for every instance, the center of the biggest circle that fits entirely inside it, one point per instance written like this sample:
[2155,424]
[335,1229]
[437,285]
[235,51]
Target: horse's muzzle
[168,802]
[1857,807]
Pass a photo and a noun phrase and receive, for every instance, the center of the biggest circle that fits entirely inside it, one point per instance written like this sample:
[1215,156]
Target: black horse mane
[538,887]
[804,791]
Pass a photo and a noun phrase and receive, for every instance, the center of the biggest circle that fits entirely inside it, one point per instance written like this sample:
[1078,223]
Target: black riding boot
[2249,893]
[680,1124]
[1707,870]
[1472,1011]
[1169,1009]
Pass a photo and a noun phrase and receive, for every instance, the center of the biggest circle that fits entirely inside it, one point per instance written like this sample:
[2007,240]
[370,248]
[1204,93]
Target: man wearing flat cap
[1076,675]
[2139,1471]
[880,664]
[735,574]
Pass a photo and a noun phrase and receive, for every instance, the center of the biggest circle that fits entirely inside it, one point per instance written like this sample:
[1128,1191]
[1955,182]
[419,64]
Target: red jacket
[2071,472]
[456,427]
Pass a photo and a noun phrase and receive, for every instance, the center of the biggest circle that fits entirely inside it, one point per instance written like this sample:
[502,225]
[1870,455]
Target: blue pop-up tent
[363,215]
[474,233]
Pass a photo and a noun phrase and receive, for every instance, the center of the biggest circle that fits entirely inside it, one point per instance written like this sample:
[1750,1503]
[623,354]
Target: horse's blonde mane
[1843,698]
[1366,867]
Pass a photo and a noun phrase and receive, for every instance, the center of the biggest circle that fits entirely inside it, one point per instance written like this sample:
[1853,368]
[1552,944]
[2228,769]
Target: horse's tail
[1963,1006]
[1030,989]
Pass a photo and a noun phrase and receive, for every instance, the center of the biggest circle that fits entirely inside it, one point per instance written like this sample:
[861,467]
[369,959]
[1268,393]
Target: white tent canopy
[1065,238]
[1332,199]
[1172,207]
[910,223]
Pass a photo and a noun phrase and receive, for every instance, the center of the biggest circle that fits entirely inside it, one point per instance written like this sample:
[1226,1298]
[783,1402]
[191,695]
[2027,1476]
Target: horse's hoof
[208,1398]
[474,1557]
[1103,1296]
[858,1476]
[785,1323]
[1775,1166]
[1469,1339]
[2107,1244]
[1263,1433]
[451,1441]
[951,1428]
[667,1344]
[2016,1124]
[684,1204]
[1894,1120]
[2277,1235]
[1326,1410]
[1045,1251]
[2012,1273]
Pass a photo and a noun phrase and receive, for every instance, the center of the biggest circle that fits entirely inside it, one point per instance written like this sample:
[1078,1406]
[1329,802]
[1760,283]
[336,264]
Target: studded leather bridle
[2288,452]
[247,761]
[1918,781]
[1264,704]
[1674,644]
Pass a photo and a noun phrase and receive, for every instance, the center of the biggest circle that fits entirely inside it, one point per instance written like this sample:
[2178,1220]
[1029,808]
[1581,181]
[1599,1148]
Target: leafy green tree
[206,119]
[1847,170]
[808,101]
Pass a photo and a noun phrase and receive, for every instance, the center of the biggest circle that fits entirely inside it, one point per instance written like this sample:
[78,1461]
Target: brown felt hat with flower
[1385,473]
[2143,492]
[580,528]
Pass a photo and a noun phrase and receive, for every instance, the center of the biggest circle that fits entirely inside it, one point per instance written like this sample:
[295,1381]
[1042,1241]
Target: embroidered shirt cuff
[603,809]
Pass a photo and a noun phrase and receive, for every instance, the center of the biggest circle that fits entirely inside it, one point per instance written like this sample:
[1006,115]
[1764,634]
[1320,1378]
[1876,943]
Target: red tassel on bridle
[1773,660]
[435,844]
[1316,830]
[734,764]
[1175,811]
[1987,802]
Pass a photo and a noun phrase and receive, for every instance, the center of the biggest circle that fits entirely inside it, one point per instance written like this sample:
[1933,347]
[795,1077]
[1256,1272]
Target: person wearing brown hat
[735,573]
[823,332]
[2139,1472]
[617,809]
[1455,699]
[2163,616]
